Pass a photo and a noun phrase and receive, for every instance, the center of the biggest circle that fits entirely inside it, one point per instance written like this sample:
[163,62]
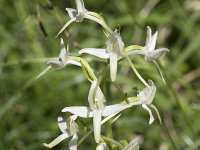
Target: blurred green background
[28,114]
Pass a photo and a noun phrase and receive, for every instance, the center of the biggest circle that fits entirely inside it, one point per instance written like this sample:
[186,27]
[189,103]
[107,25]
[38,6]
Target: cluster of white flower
[97,108]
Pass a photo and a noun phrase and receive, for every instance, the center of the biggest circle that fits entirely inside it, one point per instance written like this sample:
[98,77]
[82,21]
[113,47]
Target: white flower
[63,59]
[133,145]
[68,128]
[97,108]
[147,96]
[81,13]
[149,52]
[113,51]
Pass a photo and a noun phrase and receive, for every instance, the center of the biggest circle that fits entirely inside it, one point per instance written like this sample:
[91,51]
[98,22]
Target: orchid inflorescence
[97,109]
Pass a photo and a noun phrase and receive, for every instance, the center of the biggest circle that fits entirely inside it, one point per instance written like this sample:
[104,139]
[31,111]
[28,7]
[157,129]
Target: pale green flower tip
[97,139]
[61,42]
[113,77]
[47,145]
[102,146]
[151,120]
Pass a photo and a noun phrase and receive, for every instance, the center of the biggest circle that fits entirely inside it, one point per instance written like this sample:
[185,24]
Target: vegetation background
[28,112]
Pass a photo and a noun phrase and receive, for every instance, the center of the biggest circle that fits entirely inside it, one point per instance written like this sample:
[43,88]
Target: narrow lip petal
[157,112]
[62,124]
[113,65]
[97,125]
[81,111]
[153,41]
[151,119]
[57,140]
[73,142]
[90,17]
[98,52]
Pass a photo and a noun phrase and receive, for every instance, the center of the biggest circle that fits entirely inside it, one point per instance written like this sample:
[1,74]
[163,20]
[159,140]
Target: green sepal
[133,47]
[132,99]
[106,32]
[87,70]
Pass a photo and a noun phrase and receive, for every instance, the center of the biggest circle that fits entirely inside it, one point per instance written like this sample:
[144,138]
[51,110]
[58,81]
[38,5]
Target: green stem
[136,72]
[113,141]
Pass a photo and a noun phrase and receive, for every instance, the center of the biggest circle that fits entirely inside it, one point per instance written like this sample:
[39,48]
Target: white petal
[66,25]
[153,41]
[72,12]
[101,53]
[116,108]
[155,54]
[102,146]
[62,124]
[73,142]
[148,39]
[63,56]
[56,64]
[148,93]
[99,96]
[119,42]
[81,111]
[73,62]
[91,97]
[80,6]
[57,140]
[157,112]
[97,125]
[113,65]
[98,21]
[150,113]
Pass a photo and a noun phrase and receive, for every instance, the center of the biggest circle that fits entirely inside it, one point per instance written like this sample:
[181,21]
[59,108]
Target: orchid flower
[133,145]
[81,13]
[149,52]
[63,59]
[97,107]
[113,51]
[68,128]
[147,96]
